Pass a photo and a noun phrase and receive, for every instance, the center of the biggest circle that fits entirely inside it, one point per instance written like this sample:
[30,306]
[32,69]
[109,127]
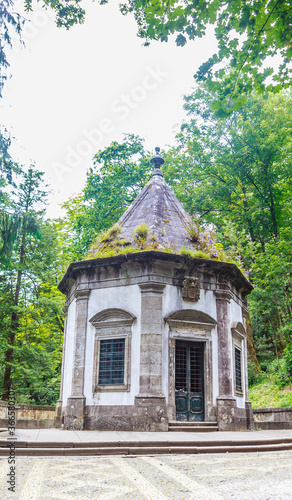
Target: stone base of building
[74,413]
[232,418]
[150,413]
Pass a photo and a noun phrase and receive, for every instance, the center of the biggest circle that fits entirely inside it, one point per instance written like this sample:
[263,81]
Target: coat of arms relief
[191,289]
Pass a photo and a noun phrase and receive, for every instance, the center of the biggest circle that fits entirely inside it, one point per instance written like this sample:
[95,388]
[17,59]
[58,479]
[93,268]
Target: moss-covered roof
[158,207]
[156,220]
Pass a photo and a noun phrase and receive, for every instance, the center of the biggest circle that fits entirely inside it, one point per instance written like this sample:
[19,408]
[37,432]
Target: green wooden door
[189,381]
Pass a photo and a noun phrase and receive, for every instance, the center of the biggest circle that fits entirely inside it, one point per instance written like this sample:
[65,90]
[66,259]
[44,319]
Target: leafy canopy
[248,33]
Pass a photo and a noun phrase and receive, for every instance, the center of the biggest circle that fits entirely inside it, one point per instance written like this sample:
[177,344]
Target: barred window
[111,362]
[238,384]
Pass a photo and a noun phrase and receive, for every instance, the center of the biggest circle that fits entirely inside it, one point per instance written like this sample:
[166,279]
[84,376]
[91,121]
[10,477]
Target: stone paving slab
[240,476]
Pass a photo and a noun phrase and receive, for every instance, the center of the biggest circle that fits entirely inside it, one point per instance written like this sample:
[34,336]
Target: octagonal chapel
[154,336]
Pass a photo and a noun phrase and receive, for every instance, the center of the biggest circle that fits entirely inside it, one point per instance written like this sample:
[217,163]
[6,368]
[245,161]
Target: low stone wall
[273,418]
[29,416]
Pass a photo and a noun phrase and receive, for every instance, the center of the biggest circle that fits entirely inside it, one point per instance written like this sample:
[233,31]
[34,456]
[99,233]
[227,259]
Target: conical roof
[158,207]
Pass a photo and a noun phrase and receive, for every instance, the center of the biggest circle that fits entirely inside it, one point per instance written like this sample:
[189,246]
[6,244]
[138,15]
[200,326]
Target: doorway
[189,381]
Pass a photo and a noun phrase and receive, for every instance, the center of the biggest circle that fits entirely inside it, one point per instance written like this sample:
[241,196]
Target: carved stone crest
[191,289]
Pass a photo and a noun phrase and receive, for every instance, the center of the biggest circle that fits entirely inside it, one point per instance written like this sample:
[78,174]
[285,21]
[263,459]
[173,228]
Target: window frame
[238,343]
[110,354]
[238,389]
[112,324]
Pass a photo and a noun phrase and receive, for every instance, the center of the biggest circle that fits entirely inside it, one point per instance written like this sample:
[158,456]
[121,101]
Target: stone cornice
[152,287]
[231,270]
[82,294]
[223,295]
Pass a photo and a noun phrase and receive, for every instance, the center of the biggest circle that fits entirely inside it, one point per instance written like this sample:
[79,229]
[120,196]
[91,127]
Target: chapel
[154,336]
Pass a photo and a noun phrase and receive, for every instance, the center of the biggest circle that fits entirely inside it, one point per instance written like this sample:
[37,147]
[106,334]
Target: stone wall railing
[28,416]
[273,418]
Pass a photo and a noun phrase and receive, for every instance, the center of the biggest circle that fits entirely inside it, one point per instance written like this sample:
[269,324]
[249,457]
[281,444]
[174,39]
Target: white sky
[74,92]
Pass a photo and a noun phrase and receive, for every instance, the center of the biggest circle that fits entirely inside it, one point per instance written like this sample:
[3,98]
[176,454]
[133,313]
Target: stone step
[193,428]
[146,450]
[194,424]
[4,444]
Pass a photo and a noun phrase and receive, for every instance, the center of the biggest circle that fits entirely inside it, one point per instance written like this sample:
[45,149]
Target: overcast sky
[73,92]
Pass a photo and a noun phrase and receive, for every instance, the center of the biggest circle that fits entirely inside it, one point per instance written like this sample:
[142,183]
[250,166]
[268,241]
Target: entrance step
[46,449]
[192,426]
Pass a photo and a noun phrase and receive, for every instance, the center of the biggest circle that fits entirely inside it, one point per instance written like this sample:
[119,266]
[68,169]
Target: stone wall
[273,418]
[29,416]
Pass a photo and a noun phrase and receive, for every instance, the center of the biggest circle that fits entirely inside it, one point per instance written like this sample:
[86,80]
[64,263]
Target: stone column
[151,404]
[74,418]
[58,417]
[248,406]
[226,402]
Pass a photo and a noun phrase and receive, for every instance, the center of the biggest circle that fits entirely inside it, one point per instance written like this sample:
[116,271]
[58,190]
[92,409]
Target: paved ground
[240,476]
[58,435]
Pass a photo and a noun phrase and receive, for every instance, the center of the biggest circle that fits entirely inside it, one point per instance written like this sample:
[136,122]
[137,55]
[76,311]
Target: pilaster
[151,411]
[226,403]
[58,417]
[74,418]
[151,338]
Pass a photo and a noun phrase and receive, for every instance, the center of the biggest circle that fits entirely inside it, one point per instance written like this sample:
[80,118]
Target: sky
[73,92]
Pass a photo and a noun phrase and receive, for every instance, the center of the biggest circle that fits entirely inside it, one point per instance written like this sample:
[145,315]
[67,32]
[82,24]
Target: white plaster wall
[127,298]
[69,353]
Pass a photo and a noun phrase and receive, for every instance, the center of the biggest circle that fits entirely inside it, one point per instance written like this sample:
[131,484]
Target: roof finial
[157,161]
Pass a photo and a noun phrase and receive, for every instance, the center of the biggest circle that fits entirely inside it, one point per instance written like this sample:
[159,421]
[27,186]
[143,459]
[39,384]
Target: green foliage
[235,174]
[118,175]
[247,33]
[141,234]
[286,375]
[269,393]
[68,13]
[10,24]
[31,318]
[269,388]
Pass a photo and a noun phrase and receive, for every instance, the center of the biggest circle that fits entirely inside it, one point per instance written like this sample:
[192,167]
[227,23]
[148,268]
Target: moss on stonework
[143,239]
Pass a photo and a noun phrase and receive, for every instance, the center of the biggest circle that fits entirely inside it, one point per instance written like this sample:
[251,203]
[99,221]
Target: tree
[236,174]
[248,33]
[26,261]
[118,175]
[10,22]
[237,169]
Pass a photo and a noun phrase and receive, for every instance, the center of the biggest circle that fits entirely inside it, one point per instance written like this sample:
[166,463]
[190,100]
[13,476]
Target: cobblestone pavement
[242,476]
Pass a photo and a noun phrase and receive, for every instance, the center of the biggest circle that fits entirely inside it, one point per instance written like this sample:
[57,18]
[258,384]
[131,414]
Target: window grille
[111,362]
[238,384]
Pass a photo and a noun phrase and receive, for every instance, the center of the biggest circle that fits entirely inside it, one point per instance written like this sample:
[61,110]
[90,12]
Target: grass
[268,392]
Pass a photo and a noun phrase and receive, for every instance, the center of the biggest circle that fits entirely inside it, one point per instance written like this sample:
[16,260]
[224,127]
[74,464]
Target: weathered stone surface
[74,414]
[28,416]
[159,208]
[273,418]
[171,297]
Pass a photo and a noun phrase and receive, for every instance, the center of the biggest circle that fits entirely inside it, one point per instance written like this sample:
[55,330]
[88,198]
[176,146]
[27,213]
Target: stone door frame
[192,331]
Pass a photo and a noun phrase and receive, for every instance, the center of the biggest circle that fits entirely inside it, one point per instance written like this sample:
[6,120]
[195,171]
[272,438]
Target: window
[238,384]
[239,348]
[111,362]
[112,350]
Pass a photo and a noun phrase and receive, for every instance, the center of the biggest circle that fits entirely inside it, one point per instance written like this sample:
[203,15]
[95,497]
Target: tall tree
[240,167]
[236,173]
[20,229]
[118,175]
